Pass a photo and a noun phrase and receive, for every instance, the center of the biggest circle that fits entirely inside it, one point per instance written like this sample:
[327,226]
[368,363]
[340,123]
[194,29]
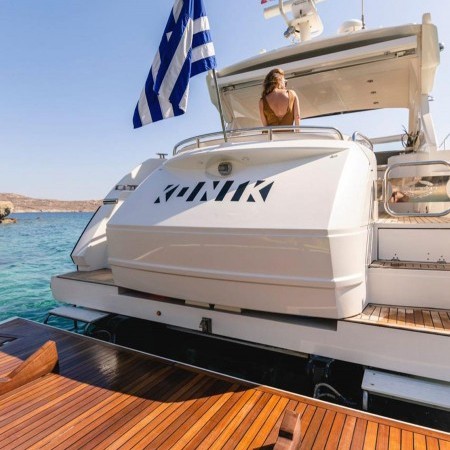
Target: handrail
[443,142]
[409,164]
[256,131]
[364,139]
[386,139]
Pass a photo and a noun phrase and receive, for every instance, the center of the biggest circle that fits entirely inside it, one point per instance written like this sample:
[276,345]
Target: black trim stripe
[239,191]
[195,191]
[224,191]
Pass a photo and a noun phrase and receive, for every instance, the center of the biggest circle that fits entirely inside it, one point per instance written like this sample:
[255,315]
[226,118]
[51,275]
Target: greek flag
[185,50]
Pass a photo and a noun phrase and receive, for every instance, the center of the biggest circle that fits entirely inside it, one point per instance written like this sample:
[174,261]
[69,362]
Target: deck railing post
[219,104]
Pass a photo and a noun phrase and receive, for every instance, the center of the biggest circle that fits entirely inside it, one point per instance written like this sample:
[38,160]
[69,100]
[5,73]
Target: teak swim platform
[106,396]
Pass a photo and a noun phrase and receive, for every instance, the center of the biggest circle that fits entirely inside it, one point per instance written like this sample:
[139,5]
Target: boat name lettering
[248,191]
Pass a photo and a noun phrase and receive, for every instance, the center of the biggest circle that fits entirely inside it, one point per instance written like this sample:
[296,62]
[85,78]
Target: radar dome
[350,25]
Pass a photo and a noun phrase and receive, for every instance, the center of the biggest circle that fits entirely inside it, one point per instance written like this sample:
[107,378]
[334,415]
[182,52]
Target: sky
[72,71]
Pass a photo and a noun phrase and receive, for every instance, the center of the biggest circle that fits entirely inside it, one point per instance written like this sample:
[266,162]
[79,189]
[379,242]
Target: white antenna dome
[349,26]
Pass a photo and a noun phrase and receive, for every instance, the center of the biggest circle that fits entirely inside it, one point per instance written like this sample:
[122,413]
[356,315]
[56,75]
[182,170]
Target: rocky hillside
[28,204]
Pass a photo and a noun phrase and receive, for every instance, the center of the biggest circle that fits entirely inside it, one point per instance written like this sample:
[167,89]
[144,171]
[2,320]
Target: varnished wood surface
[418,319]
[109,397]
[409,265]
[40,363]
[101,276]
[426,222]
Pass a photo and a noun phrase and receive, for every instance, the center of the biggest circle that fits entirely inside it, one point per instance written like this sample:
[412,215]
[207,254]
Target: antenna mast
[362,15]
[305,22]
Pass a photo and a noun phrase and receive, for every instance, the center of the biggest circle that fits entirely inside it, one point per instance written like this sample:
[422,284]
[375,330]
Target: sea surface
[31,251]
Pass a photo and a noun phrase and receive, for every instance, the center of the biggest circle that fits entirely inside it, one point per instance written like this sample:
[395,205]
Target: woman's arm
[296,110]
[261,113]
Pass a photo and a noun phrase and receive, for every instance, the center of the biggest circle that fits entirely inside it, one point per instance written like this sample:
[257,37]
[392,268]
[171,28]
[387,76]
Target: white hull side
[409,352]
[289,234]
[289,273]
[91,250]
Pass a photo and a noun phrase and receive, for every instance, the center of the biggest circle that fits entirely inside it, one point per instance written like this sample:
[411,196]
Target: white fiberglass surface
[311,193]
[295,226]
[281,258]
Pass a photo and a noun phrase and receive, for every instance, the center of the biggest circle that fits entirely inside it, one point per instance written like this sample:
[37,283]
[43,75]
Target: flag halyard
[186,49]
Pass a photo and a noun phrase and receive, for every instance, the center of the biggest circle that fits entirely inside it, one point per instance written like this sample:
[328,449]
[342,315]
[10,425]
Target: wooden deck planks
[359,434]
[370,440]
[101,276]
[201,419]
[395,435]
[385,218]
[103,437]
[407,442]
[174,425]
[325,428]
[309,434]
[213,425]
[273,417]
[418,319]
[408,265]
[107,397]
[348,431]
[98,421]
[335,432]
[382,438]
[250,426]
[158,412]
[293,405]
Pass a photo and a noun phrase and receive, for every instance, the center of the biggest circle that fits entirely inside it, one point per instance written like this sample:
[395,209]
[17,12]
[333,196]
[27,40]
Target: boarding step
[411,265]
[385,220]
[425,320]
[421,391]
[424,245]
[77,314]
[99,276]
[413,283]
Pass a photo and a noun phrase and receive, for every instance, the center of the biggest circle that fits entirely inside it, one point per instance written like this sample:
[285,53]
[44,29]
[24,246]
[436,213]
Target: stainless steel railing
[359,137]
[267,132]
[444,141]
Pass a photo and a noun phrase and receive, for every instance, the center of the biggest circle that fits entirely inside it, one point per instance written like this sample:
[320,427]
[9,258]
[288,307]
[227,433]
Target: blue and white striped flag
[186,50]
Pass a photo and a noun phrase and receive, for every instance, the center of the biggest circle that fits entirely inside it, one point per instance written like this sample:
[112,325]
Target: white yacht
[303,240]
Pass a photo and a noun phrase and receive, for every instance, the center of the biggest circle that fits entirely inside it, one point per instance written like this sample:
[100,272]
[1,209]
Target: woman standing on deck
[278,105]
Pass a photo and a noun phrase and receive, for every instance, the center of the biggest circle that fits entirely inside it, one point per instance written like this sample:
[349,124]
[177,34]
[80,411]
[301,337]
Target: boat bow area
[105,396]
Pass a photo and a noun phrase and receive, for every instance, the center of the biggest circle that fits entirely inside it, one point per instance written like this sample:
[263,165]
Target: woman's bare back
[278,101]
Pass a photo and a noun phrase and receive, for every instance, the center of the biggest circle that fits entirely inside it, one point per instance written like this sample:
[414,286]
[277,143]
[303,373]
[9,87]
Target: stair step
[412,265]
[77,314]
[426,286]
[414,390]
[419,244]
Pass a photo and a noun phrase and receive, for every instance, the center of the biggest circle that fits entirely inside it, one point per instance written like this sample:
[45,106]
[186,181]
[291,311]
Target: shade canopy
[362,70]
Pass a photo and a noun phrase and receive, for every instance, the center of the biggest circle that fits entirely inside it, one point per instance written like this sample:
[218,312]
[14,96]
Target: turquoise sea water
[31,251]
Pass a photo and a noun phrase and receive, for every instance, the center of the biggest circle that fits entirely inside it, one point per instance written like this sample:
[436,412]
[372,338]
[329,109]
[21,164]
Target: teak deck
[100,276]
[110,397]
[418,319]
[410,265]
[387,219]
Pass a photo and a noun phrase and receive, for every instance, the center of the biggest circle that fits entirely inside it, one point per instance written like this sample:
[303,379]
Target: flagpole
[219,104]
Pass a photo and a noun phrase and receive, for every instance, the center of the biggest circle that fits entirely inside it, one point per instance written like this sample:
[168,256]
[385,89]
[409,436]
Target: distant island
[27,204]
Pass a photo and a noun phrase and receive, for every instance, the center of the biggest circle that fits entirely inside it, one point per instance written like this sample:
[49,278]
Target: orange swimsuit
[273,119]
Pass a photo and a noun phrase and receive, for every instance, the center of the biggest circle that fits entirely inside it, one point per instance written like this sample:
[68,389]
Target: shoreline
[23,204]
[37,211]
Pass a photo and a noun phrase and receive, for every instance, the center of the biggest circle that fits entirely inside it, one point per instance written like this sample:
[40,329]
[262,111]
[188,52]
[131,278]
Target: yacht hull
[251,240]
